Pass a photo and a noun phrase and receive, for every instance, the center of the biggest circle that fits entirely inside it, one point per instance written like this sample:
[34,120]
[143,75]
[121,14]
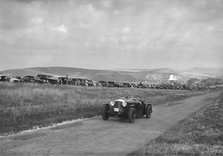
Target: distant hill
[131,75]
[202,73]
[73,72]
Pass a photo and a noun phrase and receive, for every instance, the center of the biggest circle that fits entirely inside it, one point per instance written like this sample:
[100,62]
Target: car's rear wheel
[132,115]
[148,111]
[105,113]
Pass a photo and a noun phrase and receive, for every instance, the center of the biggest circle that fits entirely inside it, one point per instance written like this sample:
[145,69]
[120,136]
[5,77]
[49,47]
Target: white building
[172,77]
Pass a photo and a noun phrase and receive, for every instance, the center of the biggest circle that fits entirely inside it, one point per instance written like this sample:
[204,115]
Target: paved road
[97,137]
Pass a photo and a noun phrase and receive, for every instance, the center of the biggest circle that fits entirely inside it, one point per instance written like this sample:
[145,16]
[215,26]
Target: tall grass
[23,106]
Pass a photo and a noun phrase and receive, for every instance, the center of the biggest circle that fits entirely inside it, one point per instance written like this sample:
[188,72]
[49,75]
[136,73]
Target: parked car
[19,78]
[64,80]
[4,78]
[14,79]
[42,78]
[128,108]
[53,80]
[28,78]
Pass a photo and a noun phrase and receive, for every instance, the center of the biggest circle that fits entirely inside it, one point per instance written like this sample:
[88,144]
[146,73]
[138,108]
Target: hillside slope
[149,75]
[202,73]
[74,72]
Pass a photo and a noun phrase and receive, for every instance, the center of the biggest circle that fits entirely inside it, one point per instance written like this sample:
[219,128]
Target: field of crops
[24,106]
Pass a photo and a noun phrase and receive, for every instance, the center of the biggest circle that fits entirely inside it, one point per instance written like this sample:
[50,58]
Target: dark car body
[28,78]
[103,83]
[128,108]
[64,80]
[42,78]
[4,78]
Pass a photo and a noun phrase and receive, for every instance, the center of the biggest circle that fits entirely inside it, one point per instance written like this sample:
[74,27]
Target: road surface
[97,137]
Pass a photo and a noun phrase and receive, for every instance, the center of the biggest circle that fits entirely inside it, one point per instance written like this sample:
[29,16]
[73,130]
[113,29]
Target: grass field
[200,134]
[23,106]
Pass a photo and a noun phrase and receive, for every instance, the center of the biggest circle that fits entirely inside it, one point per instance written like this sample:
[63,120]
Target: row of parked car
[65,80]
[48,79]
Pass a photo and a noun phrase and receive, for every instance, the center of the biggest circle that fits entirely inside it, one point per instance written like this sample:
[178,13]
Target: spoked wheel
[132,115]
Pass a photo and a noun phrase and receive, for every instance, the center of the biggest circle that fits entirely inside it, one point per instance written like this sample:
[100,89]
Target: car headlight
[112,103]
[124,104]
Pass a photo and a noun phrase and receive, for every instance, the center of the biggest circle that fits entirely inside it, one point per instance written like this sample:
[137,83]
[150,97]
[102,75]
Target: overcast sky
[108,34]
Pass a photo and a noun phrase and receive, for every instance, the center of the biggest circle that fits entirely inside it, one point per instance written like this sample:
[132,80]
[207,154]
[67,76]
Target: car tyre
[105,113]
[132,115]
[148,111]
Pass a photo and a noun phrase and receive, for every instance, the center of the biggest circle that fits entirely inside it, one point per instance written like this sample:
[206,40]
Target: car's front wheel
[105,113]
[148,111]
[132,115]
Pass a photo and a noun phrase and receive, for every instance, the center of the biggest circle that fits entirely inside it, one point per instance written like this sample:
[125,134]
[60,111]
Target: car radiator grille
[118,104]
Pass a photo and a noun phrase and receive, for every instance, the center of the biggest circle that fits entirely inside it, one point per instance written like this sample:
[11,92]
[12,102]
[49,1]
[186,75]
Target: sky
[111,34]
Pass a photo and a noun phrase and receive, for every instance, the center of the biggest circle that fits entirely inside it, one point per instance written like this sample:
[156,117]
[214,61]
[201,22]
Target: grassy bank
[200,134]
[23,106]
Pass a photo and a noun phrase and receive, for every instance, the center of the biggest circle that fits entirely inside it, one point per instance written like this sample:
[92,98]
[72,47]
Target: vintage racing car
[128,108]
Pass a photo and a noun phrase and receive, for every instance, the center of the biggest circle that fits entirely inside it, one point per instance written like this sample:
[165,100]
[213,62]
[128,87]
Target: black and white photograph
[111,77]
